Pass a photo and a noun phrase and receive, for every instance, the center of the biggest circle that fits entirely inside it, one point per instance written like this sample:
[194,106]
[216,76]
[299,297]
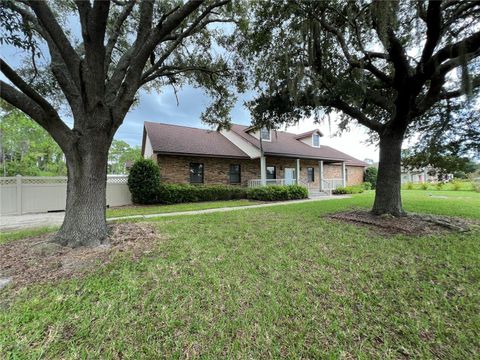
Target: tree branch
[48,22]
[459,92]
[175,70]
[57,128]
[117,26]
[193,28]
[433,19]
[163,29]
[354,113]
[470,44]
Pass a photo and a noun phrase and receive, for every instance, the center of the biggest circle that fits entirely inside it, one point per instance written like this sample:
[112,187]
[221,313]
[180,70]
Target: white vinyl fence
[33,194]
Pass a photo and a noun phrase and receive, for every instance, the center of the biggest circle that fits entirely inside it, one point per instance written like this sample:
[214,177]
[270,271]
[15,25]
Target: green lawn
[160,209]
[267,283]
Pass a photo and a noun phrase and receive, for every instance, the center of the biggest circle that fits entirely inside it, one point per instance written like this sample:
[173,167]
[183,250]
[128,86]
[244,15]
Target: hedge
[277,193]
[181,193]
[354,189]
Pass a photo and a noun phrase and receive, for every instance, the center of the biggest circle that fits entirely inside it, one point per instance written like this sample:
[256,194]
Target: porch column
[263,170]
[297,172]
[344,175]
[320,170]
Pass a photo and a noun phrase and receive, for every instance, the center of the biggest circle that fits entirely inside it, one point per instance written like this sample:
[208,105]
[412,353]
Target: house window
[316,140]
[196,173]
[235,177]
[271,172]
[265,134]
[310,174]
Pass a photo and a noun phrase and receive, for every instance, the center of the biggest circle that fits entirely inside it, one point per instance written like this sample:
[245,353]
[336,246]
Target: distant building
[423,175]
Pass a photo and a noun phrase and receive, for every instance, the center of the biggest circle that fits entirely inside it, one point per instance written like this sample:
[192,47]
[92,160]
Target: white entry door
[289,176]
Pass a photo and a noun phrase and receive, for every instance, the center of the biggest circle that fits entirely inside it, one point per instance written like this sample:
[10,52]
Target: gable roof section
[286,144]
[183,140]
[308,133]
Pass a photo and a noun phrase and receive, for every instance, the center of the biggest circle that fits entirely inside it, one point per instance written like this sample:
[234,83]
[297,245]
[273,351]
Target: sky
[162,107]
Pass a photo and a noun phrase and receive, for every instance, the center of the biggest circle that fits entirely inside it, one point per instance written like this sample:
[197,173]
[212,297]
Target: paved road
[29,221]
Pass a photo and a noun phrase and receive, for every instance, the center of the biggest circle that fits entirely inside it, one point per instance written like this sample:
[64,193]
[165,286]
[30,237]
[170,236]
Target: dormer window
[265,134]
[316,140]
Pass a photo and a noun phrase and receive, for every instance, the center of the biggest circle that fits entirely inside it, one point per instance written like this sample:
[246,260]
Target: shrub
[355,189]
[143,181]
[409,186]
[424,186]
[181,193]
[277,193]
[439,186]
[367,185]
[456,185]
[476,186]
[371,176]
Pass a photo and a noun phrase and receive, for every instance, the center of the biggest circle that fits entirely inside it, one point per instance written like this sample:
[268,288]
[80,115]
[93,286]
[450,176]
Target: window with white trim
[316,140]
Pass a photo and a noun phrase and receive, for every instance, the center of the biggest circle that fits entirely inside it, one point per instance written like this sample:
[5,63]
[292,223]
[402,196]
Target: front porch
[305,172]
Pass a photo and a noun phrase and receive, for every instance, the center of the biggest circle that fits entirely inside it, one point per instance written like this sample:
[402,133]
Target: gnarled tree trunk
[387,195]
[85,222]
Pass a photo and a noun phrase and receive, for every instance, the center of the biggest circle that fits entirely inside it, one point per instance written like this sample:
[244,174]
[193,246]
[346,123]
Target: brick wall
[175,169]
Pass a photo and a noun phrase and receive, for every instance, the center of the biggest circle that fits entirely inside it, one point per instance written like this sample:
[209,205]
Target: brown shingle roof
[285,144]
[175,139]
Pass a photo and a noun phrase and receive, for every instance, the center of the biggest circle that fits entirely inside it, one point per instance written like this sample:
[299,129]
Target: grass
[20,234]
[160,209]
[267,283]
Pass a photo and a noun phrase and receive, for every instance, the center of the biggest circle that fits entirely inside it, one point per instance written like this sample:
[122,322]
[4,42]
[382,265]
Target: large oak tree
[121,46]
[384,64]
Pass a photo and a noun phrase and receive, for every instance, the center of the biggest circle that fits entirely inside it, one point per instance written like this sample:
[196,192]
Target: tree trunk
[85,222]
[387,195]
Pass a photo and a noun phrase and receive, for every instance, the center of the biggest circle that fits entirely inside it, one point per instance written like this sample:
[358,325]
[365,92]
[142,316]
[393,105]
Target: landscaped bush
[367,185]
[424,186]
[354,189]
[371,176]
[277,193]
[143,181]
[456,185]
[476,187]
[182,193]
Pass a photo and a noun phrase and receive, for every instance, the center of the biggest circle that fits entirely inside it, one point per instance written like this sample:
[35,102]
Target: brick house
[249,157]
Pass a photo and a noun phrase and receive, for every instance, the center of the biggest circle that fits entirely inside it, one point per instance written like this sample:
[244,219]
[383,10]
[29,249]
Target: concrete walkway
[29,221]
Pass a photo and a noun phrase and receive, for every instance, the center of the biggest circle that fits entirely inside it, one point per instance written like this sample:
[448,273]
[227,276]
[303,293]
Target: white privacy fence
[31,194]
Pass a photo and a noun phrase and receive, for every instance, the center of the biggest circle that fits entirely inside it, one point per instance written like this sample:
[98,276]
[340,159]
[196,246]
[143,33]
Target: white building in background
[423,175]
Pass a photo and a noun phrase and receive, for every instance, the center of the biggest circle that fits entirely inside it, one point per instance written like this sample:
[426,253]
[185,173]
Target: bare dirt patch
[412,224]
[36,260]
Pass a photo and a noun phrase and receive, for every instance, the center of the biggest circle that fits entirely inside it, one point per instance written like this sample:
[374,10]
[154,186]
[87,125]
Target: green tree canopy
[26,148]
[120,155]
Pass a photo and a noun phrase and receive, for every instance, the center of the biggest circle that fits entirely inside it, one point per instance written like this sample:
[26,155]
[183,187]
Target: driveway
[28,221]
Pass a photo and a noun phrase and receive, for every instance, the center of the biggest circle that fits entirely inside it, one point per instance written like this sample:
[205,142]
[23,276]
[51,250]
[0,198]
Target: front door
[289,176]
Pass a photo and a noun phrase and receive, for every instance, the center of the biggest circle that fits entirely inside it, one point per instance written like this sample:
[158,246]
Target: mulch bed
[36,260]
[412,224]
